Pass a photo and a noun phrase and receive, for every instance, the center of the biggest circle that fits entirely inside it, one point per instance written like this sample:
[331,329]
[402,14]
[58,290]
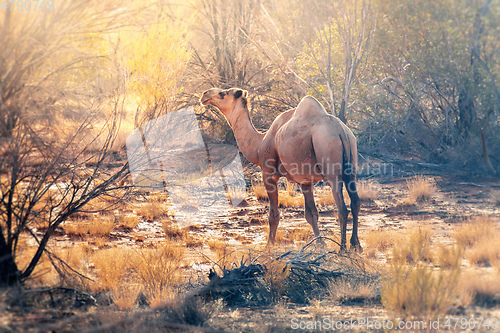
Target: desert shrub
[275,276]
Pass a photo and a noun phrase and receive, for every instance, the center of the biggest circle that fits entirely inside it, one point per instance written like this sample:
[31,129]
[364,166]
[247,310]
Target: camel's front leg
[310,210]
[274,213]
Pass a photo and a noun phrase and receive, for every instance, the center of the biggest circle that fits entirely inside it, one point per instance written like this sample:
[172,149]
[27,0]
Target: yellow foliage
[157,59]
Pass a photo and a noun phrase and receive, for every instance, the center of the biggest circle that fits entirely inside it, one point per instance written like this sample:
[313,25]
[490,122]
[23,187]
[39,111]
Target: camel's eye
[222,94]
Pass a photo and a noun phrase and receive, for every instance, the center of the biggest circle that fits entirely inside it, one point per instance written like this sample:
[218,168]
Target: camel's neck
[247,137]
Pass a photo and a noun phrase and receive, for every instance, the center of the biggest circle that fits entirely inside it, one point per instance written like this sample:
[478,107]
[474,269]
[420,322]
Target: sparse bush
[276,273]
[446,255]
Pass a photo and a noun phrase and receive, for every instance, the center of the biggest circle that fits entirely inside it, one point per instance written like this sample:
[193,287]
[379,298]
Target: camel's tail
[348,172]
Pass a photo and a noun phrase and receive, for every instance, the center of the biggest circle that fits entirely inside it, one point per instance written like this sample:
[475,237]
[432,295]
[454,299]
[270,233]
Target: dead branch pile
[294,276]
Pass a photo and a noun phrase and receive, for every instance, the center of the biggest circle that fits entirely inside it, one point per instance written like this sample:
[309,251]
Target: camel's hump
[309,107]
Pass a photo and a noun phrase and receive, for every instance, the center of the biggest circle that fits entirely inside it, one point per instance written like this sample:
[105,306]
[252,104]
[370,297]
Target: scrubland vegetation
[416,81]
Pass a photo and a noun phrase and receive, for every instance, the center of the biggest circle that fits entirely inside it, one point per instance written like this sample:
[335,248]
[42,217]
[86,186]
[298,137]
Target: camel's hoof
[357,248]
[343,248]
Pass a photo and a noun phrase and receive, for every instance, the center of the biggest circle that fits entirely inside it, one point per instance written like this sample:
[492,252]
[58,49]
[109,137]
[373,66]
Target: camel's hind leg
[337,186]
[355,207]
[310,210]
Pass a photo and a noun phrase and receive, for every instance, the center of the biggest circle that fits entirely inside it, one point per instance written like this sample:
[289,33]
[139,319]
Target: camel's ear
[240,93]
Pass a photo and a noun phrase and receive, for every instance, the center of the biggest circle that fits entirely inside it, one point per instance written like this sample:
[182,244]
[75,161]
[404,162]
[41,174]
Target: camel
[306,145]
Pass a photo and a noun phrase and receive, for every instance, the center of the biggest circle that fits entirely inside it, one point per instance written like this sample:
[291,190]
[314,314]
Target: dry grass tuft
[97,226]
[259,190]
[171,229]
[128,221]
[158,270]
[419,189]
[343,291]
[367,191]
[382,240]
[151,211]
[474,231]
[111,267]
[446,255]
[290,197]
[125,296]
[479,289]
[486,253]
[413,247]
[414,289]
[480,238]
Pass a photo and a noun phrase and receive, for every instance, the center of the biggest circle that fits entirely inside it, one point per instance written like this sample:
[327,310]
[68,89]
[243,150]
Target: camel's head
[224,100]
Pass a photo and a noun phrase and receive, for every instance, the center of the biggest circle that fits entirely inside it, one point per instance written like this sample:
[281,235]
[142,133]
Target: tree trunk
[342,111]
[8,267]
